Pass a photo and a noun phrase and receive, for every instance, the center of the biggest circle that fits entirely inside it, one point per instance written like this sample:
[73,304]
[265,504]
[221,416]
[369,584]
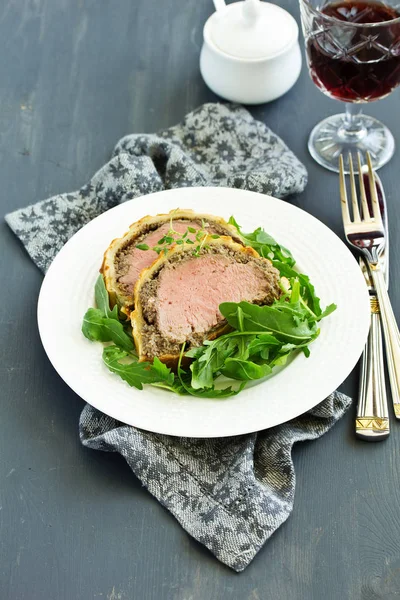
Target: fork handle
[391,333]
[372,422]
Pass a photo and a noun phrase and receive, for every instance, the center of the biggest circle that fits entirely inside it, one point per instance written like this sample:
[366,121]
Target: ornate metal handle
[392,336]
[372,422]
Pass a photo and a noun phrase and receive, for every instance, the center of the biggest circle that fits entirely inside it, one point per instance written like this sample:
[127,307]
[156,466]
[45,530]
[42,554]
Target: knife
[372,421]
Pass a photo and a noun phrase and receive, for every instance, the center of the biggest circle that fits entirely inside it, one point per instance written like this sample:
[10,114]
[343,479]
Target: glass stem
[353,126]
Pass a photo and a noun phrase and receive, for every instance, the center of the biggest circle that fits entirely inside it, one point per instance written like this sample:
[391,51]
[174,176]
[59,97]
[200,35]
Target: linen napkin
[230,494]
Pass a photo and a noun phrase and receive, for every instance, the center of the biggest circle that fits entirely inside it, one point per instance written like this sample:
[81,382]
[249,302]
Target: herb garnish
[174,237]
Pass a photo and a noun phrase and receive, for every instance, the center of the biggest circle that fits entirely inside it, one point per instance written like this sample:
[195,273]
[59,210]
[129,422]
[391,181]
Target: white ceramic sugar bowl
[251,52]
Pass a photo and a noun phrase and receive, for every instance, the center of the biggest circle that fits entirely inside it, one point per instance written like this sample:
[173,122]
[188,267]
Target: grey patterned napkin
[230,494]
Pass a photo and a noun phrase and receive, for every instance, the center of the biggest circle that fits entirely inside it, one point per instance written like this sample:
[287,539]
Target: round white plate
[68,290]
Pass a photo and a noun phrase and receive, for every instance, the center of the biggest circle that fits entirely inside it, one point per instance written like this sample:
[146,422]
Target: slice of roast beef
[177,299]
[132,260]
[123,261]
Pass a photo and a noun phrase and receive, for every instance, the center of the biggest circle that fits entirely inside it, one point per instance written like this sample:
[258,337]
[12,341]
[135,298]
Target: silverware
[367,235]
[372,421]
[384,213]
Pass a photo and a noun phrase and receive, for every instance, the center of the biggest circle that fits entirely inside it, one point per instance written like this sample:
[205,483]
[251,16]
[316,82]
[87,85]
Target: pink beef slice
[190,293]
[141,259]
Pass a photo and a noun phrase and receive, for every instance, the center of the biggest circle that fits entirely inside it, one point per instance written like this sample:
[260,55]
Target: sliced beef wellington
[177,298]
[123,261]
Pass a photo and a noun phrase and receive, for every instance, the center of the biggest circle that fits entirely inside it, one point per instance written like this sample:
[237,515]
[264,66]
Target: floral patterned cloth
[216,144]
[230,494]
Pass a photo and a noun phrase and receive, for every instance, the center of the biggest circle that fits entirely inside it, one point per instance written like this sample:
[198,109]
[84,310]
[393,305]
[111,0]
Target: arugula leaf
[281,359]
[135,373]
[96,327]
[295,295]
[103,301]
[245,369]
[203,371]
[117,334]
[265,244]
[261,345]
[268,319]
[211,392]
[328,310]
[232,221]
[209,359]
[175,387]
[163,372]
[307,289]
[92,326]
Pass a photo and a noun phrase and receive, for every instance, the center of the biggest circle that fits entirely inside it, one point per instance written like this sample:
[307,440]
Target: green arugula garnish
[98,328]
[265,245]
[136,373]
[287,324]
[103,301]
[262,337]
[202,391]
[102,324]
[245,370]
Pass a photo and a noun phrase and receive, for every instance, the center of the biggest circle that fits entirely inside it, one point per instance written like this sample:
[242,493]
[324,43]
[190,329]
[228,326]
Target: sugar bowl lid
[252,29]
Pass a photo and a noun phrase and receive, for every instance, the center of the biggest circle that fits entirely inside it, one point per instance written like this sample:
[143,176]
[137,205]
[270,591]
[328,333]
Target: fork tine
[364,203]
[374,195]
[343,193]
[356,212]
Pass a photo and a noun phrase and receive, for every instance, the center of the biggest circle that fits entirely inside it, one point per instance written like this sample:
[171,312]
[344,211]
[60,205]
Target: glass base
[329,139]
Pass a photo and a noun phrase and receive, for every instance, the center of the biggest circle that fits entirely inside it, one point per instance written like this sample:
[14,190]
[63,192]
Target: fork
[367,235]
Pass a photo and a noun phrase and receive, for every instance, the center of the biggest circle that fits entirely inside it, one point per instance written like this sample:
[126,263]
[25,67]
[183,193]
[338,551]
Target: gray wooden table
[76,75]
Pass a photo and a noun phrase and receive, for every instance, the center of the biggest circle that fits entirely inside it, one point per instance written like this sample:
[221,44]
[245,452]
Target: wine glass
[353,55]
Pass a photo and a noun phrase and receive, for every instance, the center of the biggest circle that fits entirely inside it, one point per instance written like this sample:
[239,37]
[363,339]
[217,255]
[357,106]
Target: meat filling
[131,260]
[181,303]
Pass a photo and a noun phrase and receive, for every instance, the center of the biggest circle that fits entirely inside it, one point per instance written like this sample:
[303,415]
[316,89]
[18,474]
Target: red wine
[356,64]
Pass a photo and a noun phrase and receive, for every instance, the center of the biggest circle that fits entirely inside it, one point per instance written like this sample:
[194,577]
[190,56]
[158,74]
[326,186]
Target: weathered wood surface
[76,75]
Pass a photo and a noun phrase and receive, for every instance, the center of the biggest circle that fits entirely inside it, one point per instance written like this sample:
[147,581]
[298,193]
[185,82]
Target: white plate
[67,292]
